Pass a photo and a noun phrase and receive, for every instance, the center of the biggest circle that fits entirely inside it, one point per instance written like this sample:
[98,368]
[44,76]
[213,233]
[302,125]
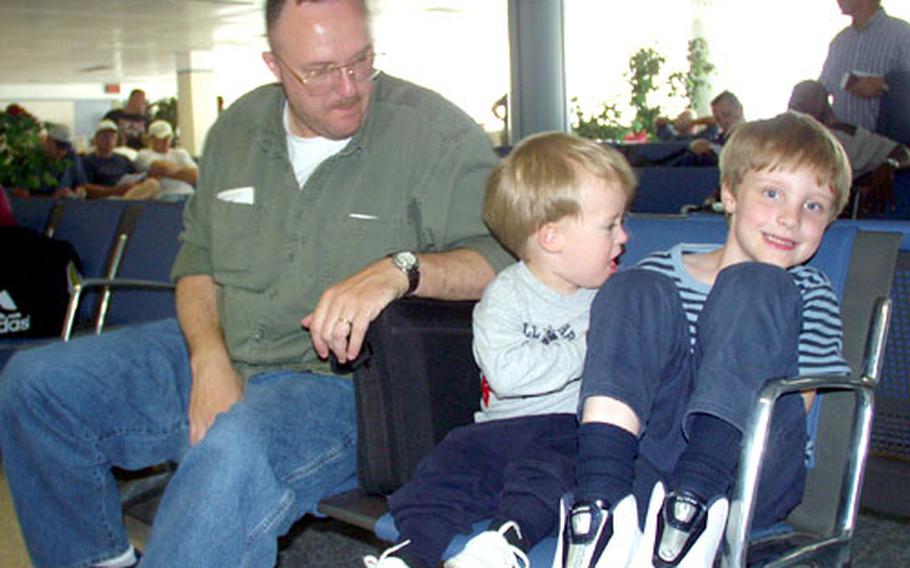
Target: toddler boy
[557,202]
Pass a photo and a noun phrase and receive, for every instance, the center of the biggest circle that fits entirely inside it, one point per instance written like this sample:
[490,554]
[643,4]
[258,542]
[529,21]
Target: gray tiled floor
[879,542]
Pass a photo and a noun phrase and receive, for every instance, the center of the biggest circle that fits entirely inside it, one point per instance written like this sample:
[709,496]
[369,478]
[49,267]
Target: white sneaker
[490,549]
[681,530]
[386,560]
[592,536]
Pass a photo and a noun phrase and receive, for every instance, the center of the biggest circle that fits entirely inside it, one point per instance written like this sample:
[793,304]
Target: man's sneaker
[133,559]
[592,536]
[688,531]
[490,549]
[386,560]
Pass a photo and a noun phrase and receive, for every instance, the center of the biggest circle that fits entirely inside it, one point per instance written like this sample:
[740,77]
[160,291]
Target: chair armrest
[755,440]
[80,285]
[419,382]
[354,507]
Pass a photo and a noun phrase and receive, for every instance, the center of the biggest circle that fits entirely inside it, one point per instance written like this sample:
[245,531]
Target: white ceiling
[131,41]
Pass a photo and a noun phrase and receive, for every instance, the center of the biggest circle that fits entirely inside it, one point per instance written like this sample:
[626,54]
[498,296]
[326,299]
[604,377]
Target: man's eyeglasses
[321,79]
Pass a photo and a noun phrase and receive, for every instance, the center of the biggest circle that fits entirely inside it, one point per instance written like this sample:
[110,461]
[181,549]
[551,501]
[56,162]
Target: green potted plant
[644,69]
[644,79]
[605,126]
[694,84]
[24,166]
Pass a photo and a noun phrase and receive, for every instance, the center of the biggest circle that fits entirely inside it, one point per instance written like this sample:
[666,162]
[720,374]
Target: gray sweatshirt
[530,343]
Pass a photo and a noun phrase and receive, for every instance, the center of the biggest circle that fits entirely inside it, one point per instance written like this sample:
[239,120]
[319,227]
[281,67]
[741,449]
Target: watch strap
[412,271]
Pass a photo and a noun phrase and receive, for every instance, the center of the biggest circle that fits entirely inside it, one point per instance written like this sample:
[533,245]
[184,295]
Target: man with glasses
[319,201]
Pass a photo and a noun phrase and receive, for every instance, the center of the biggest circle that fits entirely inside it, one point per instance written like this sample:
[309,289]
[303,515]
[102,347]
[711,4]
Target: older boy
[680,345]
[557,202]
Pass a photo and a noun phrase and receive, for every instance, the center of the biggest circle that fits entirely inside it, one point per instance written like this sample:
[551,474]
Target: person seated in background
[132,120]
[110,174]
[174,168]
[67,176]
[680,345]
[685,127]
[727,112]
[557,202]
[873,157]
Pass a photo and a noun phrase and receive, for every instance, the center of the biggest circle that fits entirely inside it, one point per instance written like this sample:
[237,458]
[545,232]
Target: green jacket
[411,178]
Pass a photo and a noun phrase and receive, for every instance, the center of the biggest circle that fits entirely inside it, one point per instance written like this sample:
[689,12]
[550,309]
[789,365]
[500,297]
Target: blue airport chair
[894,114]
[137,286]
[92,228]
[652,153]
[32,212]
[667,190]
[888,470]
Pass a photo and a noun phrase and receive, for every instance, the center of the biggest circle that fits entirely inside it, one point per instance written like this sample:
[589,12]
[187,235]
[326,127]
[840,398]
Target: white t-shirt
[306,154]
[179,156]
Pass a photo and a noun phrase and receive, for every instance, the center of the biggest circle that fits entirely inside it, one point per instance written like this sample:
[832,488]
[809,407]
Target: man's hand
[68,193]
[345,311]
[867,87]
[216,387]
[701,147]
[163,169]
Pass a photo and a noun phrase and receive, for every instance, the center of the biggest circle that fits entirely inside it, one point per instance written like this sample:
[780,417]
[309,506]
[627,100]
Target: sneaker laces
[517,553]
[371,561]
[491,549]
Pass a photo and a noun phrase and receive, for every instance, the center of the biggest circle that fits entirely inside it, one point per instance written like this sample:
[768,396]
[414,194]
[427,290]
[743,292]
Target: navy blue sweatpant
[515,469]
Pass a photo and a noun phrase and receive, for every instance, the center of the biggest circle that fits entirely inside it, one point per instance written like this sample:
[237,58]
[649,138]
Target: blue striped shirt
[882,47]
[821,337]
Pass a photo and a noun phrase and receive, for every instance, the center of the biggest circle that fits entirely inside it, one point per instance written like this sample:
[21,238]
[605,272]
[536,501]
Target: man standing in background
[132,120]
[860,59]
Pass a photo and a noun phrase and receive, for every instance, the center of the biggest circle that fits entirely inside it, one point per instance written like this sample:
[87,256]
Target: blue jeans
[72,411]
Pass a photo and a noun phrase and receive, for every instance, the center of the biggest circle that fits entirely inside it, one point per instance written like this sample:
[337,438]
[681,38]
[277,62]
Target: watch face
[405,260]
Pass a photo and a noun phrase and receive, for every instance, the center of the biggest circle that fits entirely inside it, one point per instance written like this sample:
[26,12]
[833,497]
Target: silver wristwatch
[407,262]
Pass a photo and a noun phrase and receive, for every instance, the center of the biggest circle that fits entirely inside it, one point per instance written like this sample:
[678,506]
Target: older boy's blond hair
[788,141]
[538,183]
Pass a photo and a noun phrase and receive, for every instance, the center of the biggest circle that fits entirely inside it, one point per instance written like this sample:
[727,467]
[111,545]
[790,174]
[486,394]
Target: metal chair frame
[736,539]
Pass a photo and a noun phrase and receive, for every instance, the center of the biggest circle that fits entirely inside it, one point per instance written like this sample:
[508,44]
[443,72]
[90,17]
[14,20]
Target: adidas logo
[11,322]
[6,302]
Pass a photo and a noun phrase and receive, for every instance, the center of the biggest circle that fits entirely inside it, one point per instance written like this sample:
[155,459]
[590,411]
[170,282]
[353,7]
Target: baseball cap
[60,132]
[106,124]
[161,129]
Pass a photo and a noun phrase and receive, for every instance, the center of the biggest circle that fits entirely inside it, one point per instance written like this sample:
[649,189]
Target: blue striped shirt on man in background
[878,48]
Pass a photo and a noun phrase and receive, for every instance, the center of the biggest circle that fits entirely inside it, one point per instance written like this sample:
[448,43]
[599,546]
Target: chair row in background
[125,251]
[671,189]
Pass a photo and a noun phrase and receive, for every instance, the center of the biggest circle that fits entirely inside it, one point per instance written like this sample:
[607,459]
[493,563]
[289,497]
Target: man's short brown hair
[273,10]
[789,141]
[538,183]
